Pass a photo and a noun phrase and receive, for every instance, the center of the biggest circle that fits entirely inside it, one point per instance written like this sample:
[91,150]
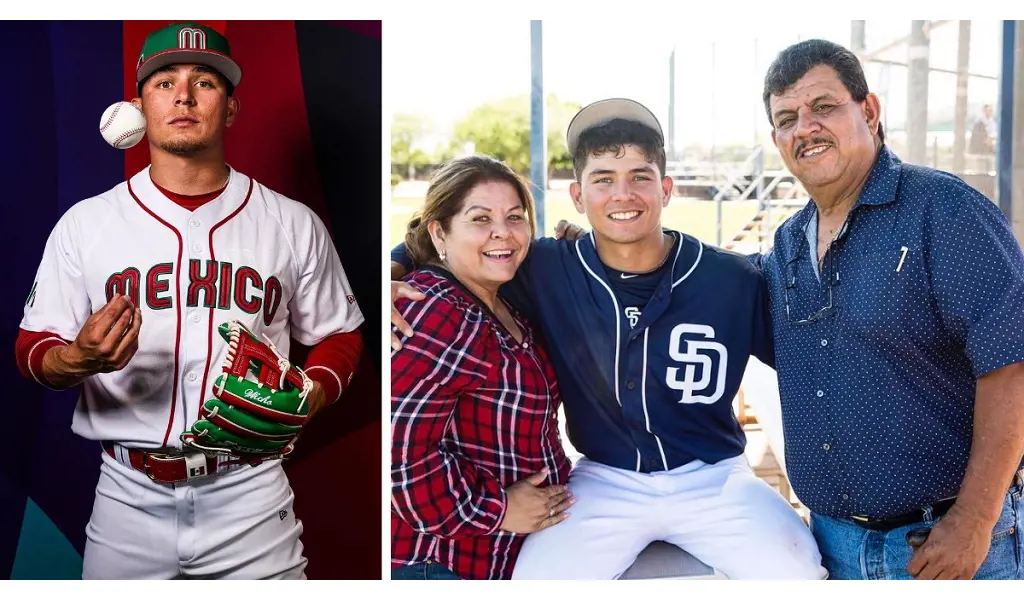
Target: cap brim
[215,60]
[602,111]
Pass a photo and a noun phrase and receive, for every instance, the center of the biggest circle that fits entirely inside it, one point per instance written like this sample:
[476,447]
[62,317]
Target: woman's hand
[532,508]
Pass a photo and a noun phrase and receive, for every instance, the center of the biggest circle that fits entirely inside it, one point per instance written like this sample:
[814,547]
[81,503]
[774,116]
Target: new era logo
[282,514]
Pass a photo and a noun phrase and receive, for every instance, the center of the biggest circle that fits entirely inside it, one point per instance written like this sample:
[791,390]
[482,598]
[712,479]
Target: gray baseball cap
[602,111]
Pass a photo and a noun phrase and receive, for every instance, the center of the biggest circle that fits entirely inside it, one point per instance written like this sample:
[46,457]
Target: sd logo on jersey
[707,355]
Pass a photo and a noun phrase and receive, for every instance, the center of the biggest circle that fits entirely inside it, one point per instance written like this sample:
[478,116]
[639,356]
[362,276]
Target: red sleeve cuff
[333,361]
[30,349]
[328,380]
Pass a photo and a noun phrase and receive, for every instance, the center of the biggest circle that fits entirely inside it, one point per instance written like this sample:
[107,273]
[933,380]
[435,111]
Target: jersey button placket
[195,238]
[194,338]
[632,406]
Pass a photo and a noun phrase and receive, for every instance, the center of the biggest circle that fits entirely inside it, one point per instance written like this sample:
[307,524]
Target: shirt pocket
[885,294]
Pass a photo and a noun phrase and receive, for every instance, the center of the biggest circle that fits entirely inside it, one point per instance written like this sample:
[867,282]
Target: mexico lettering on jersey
[251,255]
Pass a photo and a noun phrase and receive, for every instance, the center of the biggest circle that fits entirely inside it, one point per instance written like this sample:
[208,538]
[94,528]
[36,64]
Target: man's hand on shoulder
[565,230]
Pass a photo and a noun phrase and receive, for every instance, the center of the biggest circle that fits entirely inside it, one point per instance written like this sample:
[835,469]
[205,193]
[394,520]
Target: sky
[444,70]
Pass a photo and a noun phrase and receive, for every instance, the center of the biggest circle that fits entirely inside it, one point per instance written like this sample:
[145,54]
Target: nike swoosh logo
[624,276]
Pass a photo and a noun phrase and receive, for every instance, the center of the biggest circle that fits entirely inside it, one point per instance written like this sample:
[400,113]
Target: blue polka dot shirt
[878,354]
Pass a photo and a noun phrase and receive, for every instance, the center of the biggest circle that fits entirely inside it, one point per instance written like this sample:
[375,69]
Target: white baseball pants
[722,514]
[238,524]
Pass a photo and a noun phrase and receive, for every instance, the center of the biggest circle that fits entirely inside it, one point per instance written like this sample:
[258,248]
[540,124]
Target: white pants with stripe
[722,514]
[238,524]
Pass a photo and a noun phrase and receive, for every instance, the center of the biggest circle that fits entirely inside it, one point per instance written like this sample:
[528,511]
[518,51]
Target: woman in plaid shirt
[476,459]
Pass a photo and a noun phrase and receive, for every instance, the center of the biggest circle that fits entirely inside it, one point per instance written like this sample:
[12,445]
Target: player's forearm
[400,262]
[333,362]
[397,271]
[997,445]
[60,371]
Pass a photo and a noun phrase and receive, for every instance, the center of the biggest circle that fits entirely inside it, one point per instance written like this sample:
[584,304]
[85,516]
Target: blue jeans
[427,570]
[849,551]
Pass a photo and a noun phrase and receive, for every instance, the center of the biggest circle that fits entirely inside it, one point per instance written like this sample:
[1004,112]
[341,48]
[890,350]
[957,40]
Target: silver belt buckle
[195,465]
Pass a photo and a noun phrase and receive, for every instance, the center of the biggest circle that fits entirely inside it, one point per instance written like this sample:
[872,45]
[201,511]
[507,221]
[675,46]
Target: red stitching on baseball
[110,119]
[127,135]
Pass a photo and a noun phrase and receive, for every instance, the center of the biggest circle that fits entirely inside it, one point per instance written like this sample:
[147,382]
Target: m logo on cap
[191,38]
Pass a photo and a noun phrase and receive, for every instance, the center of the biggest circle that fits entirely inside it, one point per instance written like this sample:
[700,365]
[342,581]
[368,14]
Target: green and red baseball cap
[187,43]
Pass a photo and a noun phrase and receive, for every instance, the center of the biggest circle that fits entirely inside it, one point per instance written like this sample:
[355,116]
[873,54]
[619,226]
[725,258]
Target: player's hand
[107,341]
[568,231]
[955,548]
[401,289]
[532,508]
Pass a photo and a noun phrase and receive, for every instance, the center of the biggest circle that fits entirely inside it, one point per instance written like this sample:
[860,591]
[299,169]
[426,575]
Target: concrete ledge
[661,560]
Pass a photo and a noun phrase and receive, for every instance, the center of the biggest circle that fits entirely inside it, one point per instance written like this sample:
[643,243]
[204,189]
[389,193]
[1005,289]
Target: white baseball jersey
[251,254]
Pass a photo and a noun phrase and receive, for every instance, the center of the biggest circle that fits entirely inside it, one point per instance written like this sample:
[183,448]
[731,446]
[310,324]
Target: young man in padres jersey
[133,284]
[650,331]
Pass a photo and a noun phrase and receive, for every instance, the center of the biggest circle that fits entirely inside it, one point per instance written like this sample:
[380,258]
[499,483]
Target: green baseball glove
[259,404]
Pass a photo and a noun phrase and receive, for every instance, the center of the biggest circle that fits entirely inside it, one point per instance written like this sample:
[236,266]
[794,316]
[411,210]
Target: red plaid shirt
[472,412]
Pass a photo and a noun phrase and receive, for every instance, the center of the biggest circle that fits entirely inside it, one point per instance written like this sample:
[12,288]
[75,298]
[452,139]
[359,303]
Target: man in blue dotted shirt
[898,313]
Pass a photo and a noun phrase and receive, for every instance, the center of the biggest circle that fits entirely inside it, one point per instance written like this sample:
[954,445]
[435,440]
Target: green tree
[559,114]
[502,129]
[408,132]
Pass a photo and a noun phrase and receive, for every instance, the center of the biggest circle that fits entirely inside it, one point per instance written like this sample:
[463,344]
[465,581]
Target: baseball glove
[259,404]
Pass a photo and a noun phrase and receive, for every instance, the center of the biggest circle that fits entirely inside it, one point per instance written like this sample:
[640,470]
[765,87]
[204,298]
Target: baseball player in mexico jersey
[132,300]
[650,331]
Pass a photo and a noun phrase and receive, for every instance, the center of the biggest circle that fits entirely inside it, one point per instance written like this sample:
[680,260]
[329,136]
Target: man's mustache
[811,142]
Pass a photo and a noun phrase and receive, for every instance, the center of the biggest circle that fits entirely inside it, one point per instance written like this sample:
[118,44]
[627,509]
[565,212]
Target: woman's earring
[440,254]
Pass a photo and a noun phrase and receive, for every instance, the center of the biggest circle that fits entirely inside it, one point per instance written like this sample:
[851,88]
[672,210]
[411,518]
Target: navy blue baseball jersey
[650,389]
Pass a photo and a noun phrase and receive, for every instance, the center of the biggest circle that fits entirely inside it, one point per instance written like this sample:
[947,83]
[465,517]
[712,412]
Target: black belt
[916,516]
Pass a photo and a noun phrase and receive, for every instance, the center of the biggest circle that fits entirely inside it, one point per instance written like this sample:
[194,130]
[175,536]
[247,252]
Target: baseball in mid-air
[122,125]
